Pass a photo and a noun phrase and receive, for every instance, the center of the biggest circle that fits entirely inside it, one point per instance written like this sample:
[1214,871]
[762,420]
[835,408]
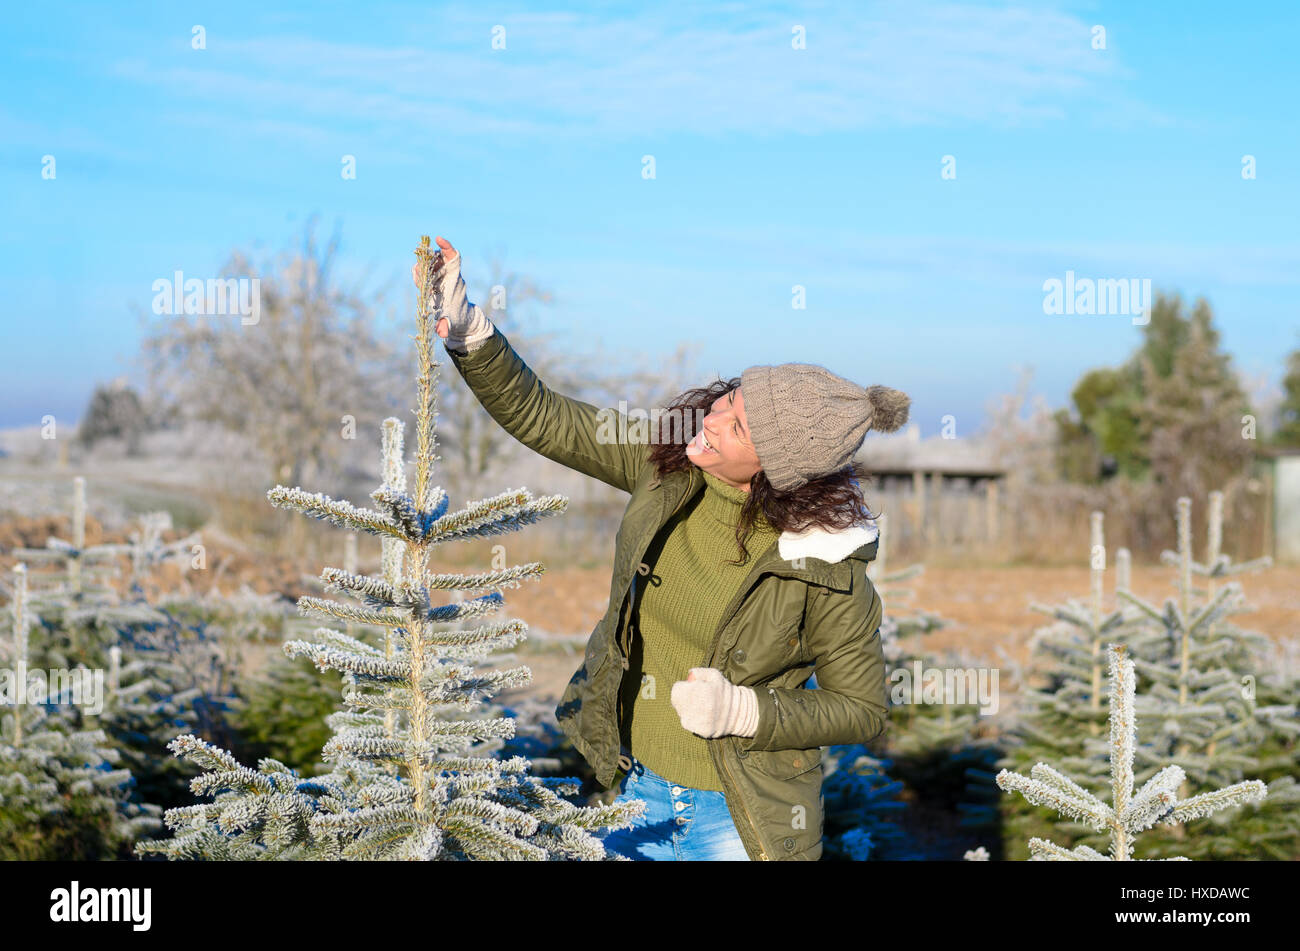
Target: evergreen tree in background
[1104,439]
[1217,704]
[168,663]
[1061,718]
[62,794]
[406,782]
[1172,411]
[1197,711]
[73,596]
[1129,813]
[115,412]
[1192,415]
[143,712]
[900,634]
[863,809]
[933,739]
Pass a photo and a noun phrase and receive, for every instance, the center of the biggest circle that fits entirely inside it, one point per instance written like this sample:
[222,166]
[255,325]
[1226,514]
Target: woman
[739,569]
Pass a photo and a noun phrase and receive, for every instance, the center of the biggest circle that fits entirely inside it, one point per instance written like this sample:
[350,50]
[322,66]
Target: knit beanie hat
[806,422]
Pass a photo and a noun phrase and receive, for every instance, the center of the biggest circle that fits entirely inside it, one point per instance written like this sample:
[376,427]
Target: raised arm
[561,428]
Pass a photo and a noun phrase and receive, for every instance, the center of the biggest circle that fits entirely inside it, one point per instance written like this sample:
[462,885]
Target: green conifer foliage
[1217,703]
[62,793]
[1060,715]
[407,781]
[1129,812]
[1213,703]
[937,735]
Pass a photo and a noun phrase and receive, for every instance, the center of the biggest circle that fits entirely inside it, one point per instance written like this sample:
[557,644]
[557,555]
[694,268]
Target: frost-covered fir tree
[76,568]
[937,733]
[284,710]
[73,592]
[159,666]
[62,793]
[1216,702]
[407,782]
[1069,656]
[148,548]
[149,701]
[1130,812]
[1197,661]
[916,727]
[75,601]
[900,633]
[1060,716]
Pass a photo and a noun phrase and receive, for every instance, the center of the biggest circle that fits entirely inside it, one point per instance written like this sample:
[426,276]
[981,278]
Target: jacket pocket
[787,790]
[593,666]
[579,689]
[786,764]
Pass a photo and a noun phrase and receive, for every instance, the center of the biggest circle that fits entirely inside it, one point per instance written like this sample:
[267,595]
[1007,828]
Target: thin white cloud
[848,256]
[673,69]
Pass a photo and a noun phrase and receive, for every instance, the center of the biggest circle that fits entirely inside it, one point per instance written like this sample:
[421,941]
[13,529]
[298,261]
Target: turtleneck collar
[722,502]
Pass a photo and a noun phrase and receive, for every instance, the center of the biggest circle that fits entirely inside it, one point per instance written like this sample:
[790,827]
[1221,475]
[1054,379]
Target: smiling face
[732,457]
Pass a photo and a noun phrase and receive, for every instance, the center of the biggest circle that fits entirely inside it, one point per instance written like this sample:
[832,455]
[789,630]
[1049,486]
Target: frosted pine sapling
[1217,703]
[1060,716]
[62,795]
[863,808]
[895,626]
[1129,813]
[406,783]
[900,638]
[1198,662]
[932,734]
[1063,711]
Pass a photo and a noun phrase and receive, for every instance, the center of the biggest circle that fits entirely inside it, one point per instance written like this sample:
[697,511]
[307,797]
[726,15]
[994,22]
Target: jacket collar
[828,555]
[829,545]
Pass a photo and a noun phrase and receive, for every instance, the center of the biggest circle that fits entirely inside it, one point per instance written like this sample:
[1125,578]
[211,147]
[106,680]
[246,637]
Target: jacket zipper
[762,852]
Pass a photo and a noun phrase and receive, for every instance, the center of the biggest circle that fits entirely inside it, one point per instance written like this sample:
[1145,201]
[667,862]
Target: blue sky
[775,167]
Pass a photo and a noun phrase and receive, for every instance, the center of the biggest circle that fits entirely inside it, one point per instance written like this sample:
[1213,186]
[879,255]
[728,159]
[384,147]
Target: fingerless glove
[469,328]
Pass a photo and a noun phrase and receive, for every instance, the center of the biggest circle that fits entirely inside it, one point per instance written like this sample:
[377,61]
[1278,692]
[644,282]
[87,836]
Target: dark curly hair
[832,501]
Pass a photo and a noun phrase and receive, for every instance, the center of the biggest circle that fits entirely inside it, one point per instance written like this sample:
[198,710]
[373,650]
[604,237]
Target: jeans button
[677,790]
[681,820]
[679,806]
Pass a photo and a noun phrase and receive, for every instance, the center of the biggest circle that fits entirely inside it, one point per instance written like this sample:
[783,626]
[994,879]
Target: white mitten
[710,705]
[468,327]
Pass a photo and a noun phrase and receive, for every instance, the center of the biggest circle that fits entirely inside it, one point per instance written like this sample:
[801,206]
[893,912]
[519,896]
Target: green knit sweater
[679,606]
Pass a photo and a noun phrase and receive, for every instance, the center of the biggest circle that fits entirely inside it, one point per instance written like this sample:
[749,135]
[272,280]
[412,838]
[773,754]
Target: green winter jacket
[806,604]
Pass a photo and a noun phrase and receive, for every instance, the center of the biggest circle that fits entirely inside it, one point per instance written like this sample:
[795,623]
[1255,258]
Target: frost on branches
[1218,703]
[62,792]
[406,782]
[1129,813]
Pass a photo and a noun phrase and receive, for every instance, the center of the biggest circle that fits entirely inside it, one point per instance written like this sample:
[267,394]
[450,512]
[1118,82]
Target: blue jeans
[679,824]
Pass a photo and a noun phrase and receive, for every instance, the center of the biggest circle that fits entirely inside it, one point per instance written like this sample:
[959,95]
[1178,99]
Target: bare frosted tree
[475,445]
[310,369]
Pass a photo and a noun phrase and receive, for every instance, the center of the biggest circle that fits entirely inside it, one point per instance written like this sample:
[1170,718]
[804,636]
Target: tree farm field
[986,606]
